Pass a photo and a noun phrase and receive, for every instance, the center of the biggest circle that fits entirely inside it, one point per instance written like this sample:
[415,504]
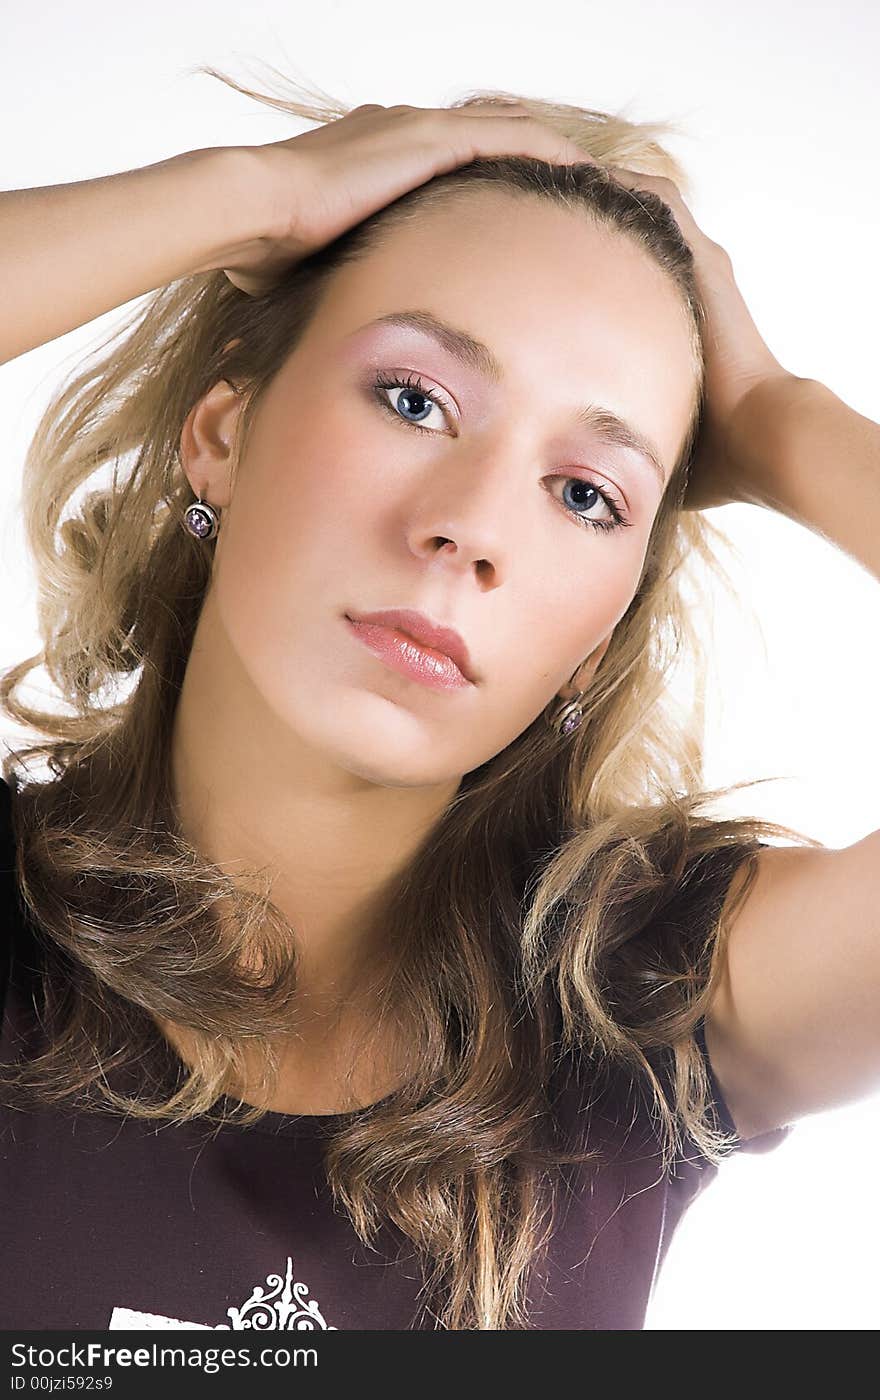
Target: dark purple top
[112,1223]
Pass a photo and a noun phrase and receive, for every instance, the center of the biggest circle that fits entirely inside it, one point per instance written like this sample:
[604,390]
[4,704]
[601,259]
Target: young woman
[368,933]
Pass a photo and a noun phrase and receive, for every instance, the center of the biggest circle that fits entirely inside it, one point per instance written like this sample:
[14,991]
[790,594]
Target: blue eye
[415,390]
[617,520]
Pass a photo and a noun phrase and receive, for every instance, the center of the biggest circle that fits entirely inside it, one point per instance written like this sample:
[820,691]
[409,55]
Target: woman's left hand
[736,356]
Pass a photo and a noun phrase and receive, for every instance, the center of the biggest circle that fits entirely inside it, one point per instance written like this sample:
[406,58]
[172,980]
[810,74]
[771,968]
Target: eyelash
[410,381]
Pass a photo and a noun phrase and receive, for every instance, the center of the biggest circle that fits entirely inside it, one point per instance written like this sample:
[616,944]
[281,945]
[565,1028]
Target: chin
[389,747]
[392,768]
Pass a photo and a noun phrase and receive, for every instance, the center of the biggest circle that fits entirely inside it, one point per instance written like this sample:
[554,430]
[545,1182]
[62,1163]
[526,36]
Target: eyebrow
[607,425]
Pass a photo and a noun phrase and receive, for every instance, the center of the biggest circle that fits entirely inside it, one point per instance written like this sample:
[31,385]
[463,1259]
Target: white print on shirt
[283,1309]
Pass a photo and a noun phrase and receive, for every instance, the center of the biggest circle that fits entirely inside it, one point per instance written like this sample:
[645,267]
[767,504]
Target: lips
[425,632]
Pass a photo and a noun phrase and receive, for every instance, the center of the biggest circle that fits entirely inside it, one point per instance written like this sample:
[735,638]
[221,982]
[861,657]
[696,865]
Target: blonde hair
[564,910]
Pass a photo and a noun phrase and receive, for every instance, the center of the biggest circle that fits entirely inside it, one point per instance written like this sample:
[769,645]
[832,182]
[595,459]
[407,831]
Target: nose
[468,513]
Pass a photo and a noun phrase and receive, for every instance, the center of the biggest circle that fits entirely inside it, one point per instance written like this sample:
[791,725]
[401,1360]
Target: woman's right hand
[314,186]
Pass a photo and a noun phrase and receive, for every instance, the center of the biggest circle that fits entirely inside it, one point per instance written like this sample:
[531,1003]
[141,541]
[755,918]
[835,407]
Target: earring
[565,720]
[201,520]
[566,717]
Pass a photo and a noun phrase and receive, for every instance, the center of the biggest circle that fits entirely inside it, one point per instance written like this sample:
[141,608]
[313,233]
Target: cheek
[572,616]
[325,466]
[304,490]
[293,535]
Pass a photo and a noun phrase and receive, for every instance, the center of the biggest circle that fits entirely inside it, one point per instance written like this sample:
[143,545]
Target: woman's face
[493,513]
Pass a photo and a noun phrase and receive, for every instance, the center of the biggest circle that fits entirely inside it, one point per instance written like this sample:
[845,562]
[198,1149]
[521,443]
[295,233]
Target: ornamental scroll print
[281,1307]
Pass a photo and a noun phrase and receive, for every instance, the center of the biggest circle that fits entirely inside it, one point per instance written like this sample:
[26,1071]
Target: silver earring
[565,720]
[566,717]
[202,520]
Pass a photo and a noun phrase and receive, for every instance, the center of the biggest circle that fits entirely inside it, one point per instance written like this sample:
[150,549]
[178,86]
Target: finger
[510,117]
[633,177]
[556,147]
[518,112]
[515,128]
[484,106]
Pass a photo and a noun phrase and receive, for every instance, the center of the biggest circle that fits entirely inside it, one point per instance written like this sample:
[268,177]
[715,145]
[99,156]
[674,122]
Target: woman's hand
[313,187]
[737,358]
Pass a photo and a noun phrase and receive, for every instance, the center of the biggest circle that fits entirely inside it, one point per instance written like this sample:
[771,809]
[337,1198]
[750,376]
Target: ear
[586,671]
[206,443]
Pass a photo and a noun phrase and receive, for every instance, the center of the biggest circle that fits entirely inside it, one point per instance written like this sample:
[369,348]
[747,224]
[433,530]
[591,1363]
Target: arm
[69,253]
[792,440]
[794,1027]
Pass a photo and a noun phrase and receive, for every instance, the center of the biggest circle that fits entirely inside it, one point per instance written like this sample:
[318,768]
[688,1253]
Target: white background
[780,105]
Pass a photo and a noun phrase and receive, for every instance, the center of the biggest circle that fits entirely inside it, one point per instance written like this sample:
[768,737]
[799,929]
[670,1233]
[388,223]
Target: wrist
[763,434]
[229,184]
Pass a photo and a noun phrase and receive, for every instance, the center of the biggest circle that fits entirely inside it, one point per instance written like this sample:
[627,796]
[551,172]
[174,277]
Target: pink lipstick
[409,642]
